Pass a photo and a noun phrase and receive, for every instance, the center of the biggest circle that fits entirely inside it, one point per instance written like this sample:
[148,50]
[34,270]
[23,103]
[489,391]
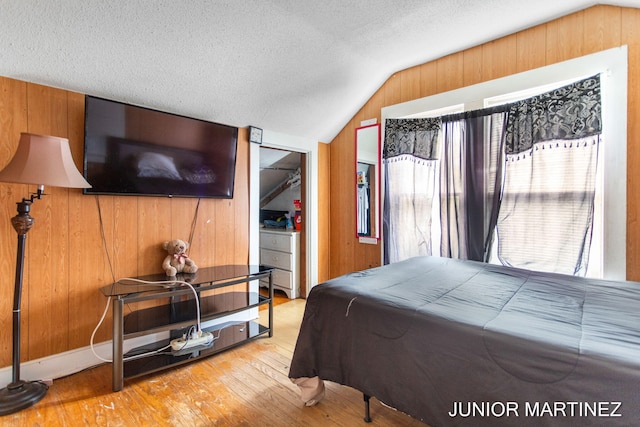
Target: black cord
[104,239]
[193,223]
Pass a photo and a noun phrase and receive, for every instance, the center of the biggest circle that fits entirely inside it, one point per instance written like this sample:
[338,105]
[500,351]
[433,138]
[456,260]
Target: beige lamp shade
[43,160]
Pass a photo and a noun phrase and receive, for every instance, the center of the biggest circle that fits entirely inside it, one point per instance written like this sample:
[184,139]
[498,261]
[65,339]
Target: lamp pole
[20,394]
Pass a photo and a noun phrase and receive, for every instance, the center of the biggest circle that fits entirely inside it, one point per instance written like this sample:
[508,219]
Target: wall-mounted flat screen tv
[138,151]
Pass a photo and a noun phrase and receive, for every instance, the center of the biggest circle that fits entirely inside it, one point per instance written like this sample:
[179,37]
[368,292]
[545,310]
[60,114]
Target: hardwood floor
[245,386]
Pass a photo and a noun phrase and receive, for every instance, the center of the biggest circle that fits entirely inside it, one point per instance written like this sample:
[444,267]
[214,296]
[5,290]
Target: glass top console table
[174,310]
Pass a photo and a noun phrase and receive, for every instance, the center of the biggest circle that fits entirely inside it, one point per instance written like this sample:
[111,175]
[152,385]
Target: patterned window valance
[417,137]
[570,112]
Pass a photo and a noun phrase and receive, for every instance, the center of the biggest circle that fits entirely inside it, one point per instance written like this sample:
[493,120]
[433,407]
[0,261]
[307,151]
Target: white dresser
[281,249]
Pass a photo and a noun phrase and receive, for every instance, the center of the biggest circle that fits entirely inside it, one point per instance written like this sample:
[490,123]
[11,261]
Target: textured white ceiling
[299,67]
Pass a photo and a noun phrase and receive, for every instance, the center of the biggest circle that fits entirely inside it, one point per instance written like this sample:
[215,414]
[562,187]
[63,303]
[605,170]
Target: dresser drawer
[281,250]
[281,278]
[276,259]
[277,242]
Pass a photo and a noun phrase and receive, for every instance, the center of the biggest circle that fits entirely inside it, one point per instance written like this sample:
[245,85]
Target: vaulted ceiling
[299,67]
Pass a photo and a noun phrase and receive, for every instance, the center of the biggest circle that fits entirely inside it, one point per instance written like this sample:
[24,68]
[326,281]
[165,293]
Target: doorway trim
[309,147]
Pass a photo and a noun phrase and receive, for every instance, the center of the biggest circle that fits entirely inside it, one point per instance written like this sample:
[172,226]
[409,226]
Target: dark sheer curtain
[470,183]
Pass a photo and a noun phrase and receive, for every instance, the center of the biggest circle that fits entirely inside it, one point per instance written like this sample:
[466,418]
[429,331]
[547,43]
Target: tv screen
[138,151]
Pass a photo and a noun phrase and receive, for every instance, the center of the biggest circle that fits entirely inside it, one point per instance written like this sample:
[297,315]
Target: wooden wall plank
[472,68]
[371,109]
[392,91]
[241,192]
[428,79]
[343,183]
[530,48]
[182,215]
[324,211]
[450,72]
[123,227]
[13,116]
[410,83]
[602,28]
[499,58]
[565,38]
[224,240]
[154,220]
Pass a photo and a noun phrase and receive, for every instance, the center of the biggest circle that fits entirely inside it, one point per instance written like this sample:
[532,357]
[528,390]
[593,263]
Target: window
[608,258]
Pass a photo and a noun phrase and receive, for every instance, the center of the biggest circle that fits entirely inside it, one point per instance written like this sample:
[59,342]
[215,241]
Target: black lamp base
[20,395]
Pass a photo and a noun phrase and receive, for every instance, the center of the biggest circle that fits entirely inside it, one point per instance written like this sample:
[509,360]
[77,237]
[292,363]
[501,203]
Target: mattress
[454,342]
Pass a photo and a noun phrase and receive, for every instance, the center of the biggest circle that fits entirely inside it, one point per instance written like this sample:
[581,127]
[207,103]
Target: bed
[454,342]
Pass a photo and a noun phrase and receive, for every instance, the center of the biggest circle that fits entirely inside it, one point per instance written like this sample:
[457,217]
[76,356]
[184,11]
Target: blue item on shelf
[274,224]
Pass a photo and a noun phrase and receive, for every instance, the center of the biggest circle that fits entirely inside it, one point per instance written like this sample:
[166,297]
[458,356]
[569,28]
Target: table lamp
[40,160]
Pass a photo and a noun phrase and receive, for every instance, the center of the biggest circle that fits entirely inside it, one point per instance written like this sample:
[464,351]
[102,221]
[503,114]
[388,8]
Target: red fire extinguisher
[297,217]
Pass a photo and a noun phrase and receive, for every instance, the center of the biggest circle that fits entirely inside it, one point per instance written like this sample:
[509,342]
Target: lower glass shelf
[227,335]
[141,322]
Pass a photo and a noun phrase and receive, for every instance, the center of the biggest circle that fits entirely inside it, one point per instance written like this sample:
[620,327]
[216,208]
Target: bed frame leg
[367,415]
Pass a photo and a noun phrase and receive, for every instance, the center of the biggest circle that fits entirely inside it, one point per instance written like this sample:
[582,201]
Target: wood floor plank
[245,386]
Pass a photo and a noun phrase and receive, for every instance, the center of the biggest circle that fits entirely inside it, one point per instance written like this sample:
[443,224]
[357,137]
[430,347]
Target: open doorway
[282,211]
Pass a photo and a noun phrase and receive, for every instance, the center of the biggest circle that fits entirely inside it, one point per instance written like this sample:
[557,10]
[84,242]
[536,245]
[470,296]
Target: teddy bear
[177,260]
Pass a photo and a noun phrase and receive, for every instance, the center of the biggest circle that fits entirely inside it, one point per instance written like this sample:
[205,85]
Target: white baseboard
[70,362]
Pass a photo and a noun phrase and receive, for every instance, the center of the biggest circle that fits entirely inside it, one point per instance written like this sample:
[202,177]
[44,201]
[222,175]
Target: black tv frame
[118,177]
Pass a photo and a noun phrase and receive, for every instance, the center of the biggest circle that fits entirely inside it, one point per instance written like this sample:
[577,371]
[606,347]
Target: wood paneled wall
[67,259]
[581,33]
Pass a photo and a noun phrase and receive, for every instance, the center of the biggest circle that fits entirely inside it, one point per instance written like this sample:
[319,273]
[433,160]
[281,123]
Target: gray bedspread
[454,342]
